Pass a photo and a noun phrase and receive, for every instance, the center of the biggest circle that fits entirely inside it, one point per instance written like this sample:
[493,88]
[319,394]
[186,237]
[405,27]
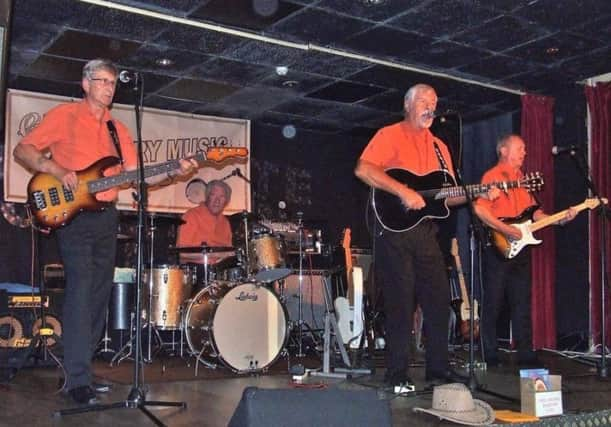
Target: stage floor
[30,398]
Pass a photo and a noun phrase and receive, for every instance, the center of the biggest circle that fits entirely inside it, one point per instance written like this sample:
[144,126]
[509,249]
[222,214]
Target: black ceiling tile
[588,65]
[447,54]
[198,90]
[58,12]
[78,44]
[544,82]
[441,18]
[146,56]
[235,72]
[174,7]
[55,68]
[563,44]
[510,103]
[478,95]
[328,64]
[562,14]
[258,52]
[102,20]
[497,66]
[225,110]
[391,100]
[170,104]
[305,107]
[241,13]
[296,82]
[389,77]
[280,120]
[599,29]
[506,5]
[70,89]
[501,33]
[22,37]
[319,27]
[19,60]
[379,12]
[258,98]
[197,39]
[387,42]
[152,82]
[350,114]
[345,92]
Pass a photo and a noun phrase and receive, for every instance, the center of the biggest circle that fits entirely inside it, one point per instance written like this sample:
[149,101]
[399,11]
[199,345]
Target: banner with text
[166,135]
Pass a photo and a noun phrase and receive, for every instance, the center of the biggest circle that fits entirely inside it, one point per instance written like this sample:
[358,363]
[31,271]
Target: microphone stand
[137,395]
[476,237]
[603,213]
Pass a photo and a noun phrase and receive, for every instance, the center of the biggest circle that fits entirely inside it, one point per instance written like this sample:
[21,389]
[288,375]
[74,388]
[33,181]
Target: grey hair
[218,183]
[99,64]
[411,92]
[502,142]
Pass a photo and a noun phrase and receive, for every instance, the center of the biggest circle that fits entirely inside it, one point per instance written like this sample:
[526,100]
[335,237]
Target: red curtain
[537,130]
[599,103]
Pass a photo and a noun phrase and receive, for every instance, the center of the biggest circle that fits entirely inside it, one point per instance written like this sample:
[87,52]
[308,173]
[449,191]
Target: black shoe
[83,395]
[100,388]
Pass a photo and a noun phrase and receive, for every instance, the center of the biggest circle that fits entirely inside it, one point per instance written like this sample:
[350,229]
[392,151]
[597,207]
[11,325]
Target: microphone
[126,76]
[571,149]
[442,113]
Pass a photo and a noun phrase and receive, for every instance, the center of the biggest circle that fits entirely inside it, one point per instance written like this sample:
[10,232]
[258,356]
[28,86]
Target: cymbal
[238,216]
[121,236]
[155,217]
[201,249]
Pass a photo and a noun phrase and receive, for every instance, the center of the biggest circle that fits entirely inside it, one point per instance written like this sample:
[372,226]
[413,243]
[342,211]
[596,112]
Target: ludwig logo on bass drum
[245,296]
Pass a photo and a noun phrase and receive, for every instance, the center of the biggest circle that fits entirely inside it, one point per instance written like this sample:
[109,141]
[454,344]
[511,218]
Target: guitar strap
[442,162]
[115,138]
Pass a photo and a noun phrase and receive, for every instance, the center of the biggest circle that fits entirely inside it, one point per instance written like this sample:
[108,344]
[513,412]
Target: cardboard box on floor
[541,403]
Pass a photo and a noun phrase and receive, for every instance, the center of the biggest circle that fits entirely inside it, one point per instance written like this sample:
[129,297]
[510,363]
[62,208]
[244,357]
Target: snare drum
[171,286]
[243,326]
[266,258]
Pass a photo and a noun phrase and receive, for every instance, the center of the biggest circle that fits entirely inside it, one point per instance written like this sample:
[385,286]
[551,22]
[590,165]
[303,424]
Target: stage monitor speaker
[306,408]
[312,302]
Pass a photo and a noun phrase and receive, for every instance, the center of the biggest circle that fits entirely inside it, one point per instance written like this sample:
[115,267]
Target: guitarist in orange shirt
[508,276]
[78,134]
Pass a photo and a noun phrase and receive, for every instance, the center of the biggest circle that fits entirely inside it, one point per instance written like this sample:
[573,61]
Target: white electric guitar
[349,309]
[509,248]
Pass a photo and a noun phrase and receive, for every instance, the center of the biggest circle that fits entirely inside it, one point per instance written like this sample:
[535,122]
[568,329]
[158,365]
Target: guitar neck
[459,272]
[557,216]
[108,182]
[472,189]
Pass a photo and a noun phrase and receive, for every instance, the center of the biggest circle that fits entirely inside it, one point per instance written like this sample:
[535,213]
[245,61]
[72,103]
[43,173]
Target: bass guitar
[435,188]
[510,248]
[465,306]
[54,205]
[349,309]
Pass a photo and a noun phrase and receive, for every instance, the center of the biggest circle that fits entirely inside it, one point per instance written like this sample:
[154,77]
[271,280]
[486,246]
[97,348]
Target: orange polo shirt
[77,139]
[395,146]
[201,226]
[508,204]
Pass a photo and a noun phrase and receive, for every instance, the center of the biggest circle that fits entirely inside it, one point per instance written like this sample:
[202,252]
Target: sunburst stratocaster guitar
[510,248]
[435,188]
[54,205]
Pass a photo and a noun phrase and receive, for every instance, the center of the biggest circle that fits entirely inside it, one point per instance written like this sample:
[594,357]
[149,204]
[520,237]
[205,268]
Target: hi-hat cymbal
[251,216]
[201,249]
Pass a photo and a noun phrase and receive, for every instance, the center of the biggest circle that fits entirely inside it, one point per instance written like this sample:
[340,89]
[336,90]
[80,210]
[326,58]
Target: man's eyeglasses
[103,81]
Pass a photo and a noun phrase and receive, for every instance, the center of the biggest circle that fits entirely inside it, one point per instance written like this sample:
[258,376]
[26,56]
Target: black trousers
[509,279]
[413,269]
[87,248]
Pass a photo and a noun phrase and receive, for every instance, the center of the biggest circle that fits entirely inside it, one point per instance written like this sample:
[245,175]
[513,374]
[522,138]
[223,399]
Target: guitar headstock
[532,181]
[454,247]
[593,203]
[346,239]
[218,154]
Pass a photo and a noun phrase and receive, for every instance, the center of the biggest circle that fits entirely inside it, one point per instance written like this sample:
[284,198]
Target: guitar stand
[332,332]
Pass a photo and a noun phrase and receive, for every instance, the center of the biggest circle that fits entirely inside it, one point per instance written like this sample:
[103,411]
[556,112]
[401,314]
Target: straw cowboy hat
[454,402]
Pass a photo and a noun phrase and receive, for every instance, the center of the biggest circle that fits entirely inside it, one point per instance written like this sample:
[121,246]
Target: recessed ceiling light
[373,2]
[552,50]
[164,62]
[290,83]
[282,70]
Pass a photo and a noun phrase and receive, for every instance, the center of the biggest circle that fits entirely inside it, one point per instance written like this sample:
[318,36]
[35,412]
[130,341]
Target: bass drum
[244,326]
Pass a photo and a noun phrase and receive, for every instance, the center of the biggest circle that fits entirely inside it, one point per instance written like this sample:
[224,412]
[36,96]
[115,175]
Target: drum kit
[229,313]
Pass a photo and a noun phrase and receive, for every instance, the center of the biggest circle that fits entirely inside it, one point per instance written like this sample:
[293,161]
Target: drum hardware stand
[137,395]
[105,339]
[119,356]
[332,332]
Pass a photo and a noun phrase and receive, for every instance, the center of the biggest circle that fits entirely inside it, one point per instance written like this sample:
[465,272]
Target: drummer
[206,225]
